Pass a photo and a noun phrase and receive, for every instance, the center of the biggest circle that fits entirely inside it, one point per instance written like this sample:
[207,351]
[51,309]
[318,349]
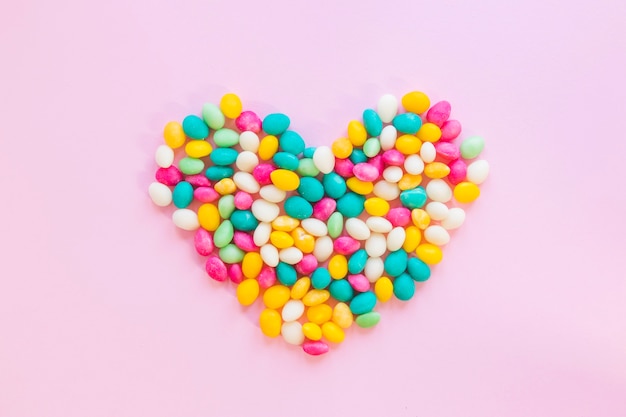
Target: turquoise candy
[226,206]
[182,194]
[357,261]
[357,156]
[291,142]
[372,122]
[396,263]
[311,189]
[334,185]
[418,270]
[195,128]
[407,123]
[216,173]
[320,278]
[403,287]
[231,254]
[286,160]
[363,303]
[286,274]
[341,290]
[191,166]
[224,156]
[472,147]
[351,205]
[335,224]
[224,234]
[244,220]
[298,208]
[225,138]
[275,123]
[308,152]
[415,198]
[368,320]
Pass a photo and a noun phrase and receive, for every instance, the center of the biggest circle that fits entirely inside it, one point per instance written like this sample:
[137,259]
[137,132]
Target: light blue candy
[396,263]
[415,198]
[320,278]
[216,173]
[357,261]
[275,123]
[224,156]
[194,127]
[341,290]
[298,208]
[372,122]
[182,195]
[407,123]
[308,152]
[363,303]
[418,270]
[311,189]
[286,160]
[291,142]
[357,156]
[334,185]
[403,287]
[351,205]
[244,220]
[286,274]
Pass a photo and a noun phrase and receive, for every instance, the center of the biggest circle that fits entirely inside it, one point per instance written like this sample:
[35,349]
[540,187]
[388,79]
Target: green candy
[231,254]
[368,320]
[335,224]
[224,234]
[371,147]
[351,205]
[213,116]
[190,166]
[225,138]
[472,147]
[306,168]
[226,206]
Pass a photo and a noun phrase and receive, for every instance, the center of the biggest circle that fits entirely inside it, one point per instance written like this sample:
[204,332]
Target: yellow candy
[281,240]
[247,292]
[429,132]
[358,186]
[408,144]
[319,314]
[376,206]
[231,106]
[420,218]
[332,332]
[251,264]
[416,102]
[285,223]
[383,289]
[268,147]
[270,322]
[302,240]
[300,288]
[338,266]
[225,186]
[357,133]
[174,135]
[209,217]
[342,316]
[466,192]
[285,180]
[412,239]
[429,253]
[312,331]
[409,181]
[342,148]
[276,296]
[198,148]
[315,297]
[436,170]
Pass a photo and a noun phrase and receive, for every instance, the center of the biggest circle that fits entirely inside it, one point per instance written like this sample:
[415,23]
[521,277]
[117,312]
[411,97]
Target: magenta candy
[399,216]
[393,157]
[450,130]
[243,200]
[244,241]
[267,277]
[458,171]
[359,282]
[324,208]
[198,180]
[248,120]
[205,194]
[307,265]
[365,172]
[344,167]
[261,173]
[439,113]
[315,347]
[169,176]
[235,273]
[377,162]
[345,245]
[216,269]
[203,241]
[447,150]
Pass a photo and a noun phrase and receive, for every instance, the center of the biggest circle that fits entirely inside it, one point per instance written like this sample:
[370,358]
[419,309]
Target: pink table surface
[105,309]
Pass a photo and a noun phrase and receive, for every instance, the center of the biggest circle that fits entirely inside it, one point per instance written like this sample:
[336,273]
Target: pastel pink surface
[106,310]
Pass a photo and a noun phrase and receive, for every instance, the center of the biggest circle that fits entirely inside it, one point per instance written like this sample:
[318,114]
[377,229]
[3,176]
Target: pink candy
[235,273]
[344,167]
[447,150]
[267,277]
[378,163]
[399,216]
[359,282]
[345,245]
[216,268]
[393,157]
[244,241]
[315,347]
[307,265]
[205,194]
[198,180]
[243,200]
[324,208]
[450,130]
[458,171]
[169,176]
[439,113]
[248,120]
[261,173]
[203,241]
[365,172]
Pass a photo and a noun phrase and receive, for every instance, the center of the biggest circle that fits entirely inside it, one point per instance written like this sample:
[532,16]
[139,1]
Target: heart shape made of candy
[320,234]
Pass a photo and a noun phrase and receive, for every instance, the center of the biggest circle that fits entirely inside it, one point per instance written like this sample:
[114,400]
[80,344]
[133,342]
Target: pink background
[105,309]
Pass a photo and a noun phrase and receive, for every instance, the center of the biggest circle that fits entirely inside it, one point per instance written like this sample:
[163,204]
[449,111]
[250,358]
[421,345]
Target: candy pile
[321,234]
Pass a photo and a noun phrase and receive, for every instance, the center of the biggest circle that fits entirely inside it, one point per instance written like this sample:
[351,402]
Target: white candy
[456,217]
[376,245]
[438,190]
[393,174]
[249,141]
[186,219]
[164,156]
[436,210]
[395,239]
[265,211]
[292,333]
[293,310]
[436,235]
[323,248]
[160,194]
[247,161]
[272,193]
[290,255]
[478,171]
[324,159]
[374,269]
[357,229]
[386,190]
[262,234]
[428,152]
[388,137]
[387,107]
[414,165]
[269,254]
[379,224]
[246,182]
[314,227]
